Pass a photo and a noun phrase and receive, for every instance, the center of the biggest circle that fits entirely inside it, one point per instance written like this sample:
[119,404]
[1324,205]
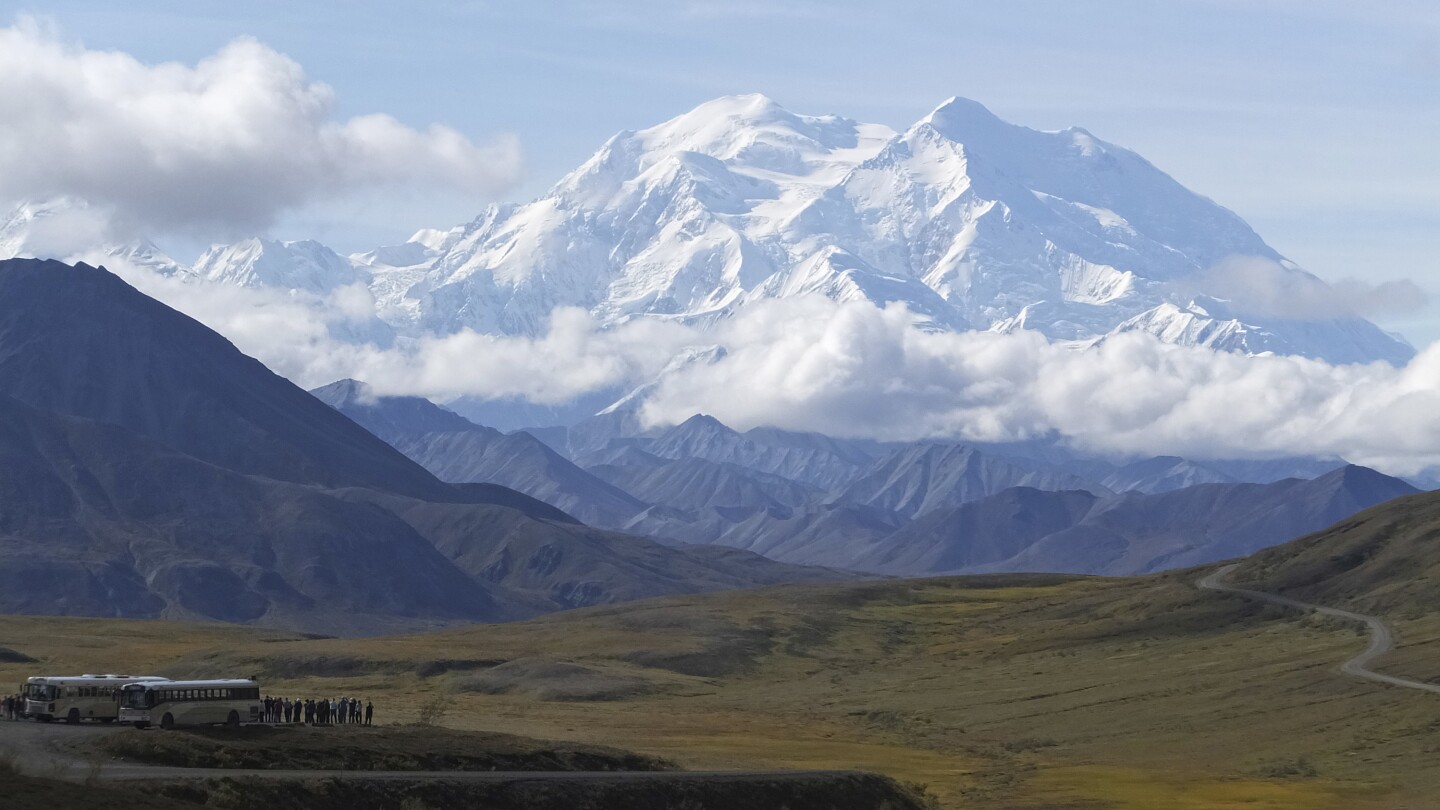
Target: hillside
[79,341]
[1383,560]
[152,470]
[1138,533]
[99,521]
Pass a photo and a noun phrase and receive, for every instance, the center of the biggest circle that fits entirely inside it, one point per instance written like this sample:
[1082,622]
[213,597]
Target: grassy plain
[997,692]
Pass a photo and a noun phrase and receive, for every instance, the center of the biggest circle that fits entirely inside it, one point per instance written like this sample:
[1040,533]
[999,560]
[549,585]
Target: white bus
[169,704]
[76,698]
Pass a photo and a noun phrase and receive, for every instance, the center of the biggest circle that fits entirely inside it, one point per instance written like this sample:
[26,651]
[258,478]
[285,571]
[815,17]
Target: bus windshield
[135,697]
[41,691]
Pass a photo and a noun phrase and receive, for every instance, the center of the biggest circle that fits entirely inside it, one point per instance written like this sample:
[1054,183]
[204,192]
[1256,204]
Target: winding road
[1381,640]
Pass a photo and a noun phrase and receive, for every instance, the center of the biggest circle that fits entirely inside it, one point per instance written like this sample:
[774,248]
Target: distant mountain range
[910,509]
[149,469]
[971,222]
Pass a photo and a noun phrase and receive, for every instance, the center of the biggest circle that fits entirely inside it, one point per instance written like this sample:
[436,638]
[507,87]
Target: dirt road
[1381,639]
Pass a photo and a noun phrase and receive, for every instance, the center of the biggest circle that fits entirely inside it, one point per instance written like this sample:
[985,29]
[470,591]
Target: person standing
[369,712]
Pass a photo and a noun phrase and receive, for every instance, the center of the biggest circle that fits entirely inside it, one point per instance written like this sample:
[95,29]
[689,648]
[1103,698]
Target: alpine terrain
[969,221]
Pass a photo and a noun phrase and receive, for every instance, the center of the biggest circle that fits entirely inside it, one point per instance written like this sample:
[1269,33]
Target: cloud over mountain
[857,370]
[224,144]
[1255,286]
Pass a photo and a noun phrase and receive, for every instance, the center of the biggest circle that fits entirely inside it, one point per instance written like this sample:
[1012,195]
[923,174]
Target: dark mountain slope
[577,566]
[118,515]
[922,478]
[1385,559]
[459,451]
[810,459]
[1027,529]
[95,520]
[694,483]
[80,341]
[1162,474]
[1137,533]
[979,533]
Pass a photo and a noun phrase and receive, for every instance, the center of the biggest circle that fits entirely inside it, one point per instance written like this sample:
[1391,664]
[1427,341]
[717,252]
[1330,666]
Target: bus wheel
[45,718]
[167,722]
[141,724]
[73,718]
[233,719]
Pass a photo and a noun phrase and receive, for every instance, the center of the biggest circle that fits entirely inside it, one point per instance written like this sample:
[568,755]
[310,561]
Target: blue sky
[1316,121]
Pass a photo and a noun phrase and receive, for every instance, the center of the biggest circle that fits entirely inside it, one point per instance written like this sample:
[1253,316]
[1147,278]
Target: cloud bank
[855,370]
[226,144]
[1255,286]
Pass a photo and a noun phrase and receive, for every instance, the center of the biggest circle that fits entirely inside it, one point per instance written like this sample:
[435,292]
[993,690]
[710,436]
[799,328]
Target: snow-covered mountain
[304,265]
[971,222]
[67,228]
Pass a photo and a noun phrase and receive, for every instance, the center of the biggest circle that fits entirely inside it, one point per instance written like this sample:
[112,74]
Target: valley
[1010,691]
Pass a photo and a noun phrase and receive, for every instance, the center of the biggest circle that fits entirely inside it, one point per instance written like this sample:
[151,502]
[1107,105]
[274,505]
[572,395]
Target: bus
[170,704]
[76,698]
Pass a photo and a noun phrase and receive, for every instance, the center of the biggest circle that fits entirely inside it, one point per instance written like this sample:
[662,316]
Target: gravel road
[1381,639]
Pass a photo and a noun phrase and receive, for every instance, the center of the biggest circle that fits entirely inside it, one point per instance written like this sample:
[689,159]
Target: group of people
[13,707]
[319,712]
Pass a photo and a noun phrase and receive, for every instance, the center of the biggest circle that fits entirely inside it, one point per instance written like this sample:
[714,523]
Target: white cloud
[227,143]
[1259,287]
[856,370]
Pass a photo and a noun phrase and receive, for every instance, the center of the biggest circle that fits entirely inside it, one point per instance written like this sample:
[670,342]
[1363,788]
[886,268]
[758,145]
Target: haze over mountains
[151,469]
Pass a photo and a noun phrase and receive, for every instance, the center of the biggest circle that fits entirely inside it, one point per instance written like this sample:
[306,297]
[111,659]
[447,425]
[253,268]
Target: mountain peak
[262,262]
[68,332]
[388,417]
[703,421]
[750,108]
[345,392]
[1355,478]
[957,111]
